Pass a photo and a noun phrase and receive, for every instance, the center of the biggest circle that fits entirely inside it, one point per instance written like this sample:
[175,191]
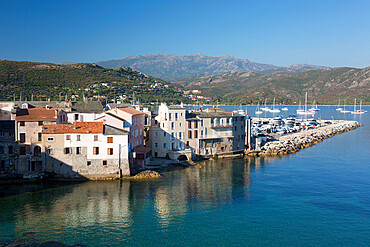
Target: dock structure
[291,143]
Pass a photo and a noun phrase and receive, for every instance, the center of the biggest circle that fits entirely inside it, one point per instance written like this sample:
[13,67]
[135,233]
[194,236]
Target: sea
[319,196]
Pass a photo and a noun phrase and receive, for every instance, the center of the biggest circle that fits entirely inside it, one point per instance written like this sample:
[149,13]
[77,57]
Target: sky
[325,32]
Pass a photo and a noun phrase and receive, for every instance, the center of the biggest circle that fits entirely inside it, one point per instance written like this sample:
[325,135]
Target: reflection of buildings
[126,203]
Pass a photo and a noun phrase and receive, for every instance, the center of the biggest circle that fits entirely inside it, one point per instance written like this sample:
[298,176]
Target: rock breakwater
[292,143]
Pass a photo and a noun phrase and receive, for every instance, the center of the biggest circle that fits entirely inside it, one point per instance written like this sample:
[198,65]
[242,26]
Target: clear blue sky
[322,32]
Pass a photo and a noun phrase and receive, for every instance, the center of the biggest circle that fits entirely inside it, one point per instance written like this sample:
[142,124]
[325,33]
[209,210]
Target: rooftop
[87,107]
[78,127]
[110,130]
[130,111]
[37,114]
[196,115]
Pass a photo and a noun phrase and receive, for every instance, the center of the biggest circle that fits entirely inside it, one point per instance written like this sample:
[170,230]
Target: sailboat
[339,108]
[314,108]
[273,108]
[299,108]
[265,108]
[306,112]
[344,108]
[258,111]
[358,111]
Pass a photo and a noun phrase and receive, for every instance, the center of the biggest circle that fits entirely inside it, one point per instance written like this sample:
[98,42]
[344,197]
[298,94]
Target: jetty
[291,143]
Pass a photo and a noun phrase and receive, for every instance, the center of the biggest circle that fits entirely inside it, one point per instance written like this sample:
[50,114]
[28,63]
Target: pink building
[129,119]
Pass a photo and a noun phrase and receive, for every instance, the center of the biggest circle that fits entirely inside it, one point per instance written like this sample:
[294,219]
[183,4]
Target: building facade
[8,148]
[28,132]
[89,150]
[178,132]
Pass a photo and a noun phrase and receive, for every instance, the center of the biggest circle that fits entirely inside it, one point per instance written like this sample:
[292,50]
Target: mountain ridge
[173,67]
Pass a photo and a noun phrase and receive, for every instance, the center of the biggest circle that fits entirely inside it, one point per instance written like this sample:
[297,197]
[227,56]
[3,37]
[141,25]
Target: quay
[293,142]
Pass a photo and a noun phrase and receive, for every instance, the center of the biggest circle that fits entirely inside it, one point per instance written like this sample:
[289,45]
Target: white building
[90,150]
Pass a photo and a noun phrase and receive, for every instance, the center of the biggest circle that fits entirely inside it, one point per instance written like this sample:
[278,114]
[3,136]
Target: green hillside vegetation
[326,86]
[47,80]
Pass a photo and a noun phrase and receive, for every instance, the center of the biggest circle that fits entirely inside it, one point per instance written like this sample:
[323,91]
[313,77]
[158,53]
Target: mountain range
[176,67]
[323,85]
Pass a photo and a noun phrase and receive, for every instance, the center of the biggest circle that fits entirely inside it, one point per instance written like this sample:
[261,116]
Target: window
[164,133]
[105,163]
[76,117]
[39,136]
[1,149]
[41,123]
[96,138]
[164,145]
[172,136]
[236,128]
[67,150]
[189,134]
[110,151]
[172,125]
[2,134]
[155,133]
[176,116]
[50,139]
[201,133]
[180,124]
[22,150]
[170,116]
[96,150]
[68,137]
[22,123]
[110,139]
[22,137]
[78,150]
[201,123]
[141,120]
[49,151]
[156,144]
[195,133]
[88,163]
[189,124]
[10,149]
[196,124]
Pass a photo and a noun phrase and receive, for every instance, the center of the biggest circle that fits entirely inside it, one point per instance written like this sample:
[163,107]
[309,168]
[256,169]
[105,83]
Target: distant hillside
[46,80]
[176,67]
[325,85]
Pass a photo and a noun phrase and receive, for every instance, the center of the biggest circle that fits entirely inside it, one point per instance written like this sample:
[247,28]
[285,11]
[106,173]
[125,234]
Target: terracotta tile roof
[78,127]
[37,114]
[142,149]
[130,110]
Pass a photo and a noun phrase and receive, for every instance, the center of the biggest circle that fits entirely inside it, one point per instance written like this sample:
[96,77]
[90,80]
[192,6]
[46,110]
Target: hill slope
[325,85]
[175,67]
[50,80]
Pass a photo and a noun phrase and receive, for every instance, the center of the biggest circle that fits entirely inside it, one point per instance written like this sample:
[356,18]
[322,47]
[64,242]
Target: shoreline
[292,143]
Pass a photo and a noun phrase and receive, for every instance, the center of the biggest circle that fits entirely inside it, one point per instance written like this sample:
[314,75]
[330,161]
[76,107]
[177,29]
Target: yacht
[273,108]
[358,111]
[284,108]
[258,111]
[344,108]
[339,108]
[305,111]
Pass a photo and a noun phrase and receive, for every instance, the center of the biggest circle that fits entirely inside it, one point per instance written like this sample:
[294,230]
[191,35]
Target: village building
[178,133]
[91,150]
[167,133]
[83,111]
[28,133]
[8,148]
[132,121]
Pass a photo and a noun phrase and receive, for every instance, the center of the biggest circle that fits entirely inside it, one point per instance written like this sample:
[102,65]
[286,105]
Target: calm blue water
[319,198]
